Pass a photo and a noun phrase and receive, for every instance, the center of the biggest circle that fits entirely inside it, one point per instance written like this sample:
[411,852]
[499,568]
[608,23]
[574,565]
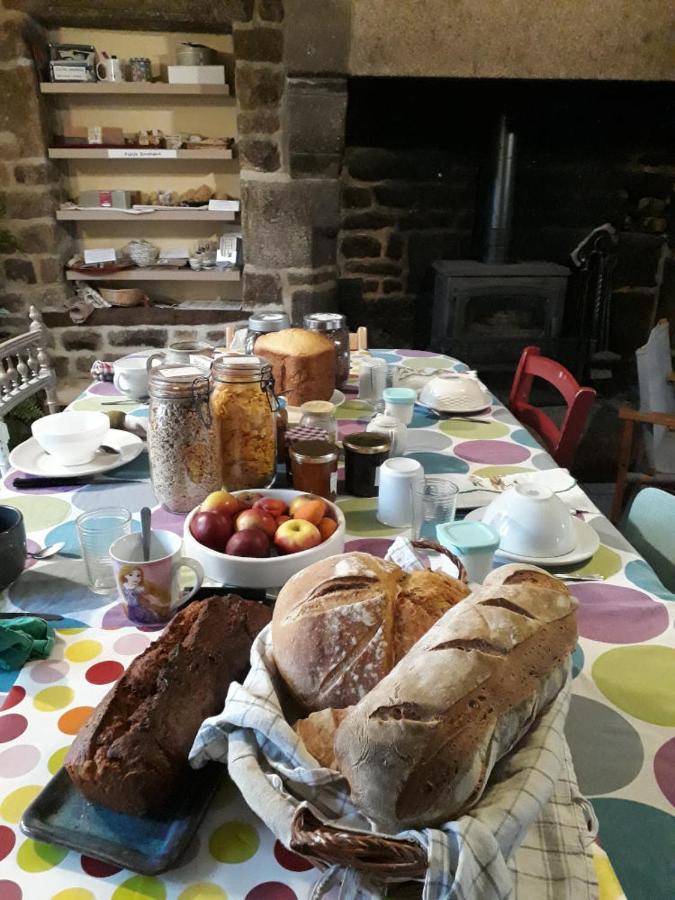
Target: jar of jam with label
[365,451]
[314,468]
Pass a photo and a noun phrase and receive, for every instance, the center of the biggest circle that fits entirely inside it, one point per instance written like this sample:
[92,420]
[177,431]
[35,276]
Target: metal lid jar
[334,326]
[263,323]
[314,467]
[182,441]
[243,408]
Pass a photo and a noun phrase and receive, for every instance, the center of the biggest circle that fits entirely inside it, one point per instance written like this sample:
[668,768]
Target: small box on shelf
[196,74]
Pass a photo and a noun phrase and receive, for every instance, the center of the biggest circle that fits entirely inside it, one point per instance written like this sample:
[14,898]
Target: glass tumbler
[97,530]
[434,503]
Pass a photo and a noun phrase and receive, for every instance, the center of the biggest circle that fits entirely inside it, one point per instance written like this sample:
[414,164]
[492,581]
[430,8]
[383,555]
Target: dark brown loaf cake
[132,751]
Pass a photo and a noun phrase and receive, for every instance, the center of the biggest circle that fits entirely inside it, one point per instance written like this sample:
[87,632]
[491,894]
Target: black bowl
[12,545]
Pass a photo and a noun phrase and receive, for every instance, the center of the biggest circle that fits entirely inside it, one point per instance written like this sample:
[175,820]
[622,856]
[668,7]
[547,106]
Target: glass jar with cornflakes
[182,439]
[243,408]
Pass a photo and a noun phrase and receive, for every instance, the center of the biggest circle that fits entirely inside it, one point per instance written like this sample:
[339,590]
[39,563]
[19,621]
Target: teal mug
[12,545]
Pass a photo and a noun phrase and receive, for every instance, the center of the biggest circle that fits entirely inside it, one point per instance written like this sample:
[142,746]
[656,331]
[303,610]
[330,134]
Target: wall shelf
[134,153]
[140,88]
[160,274]
[184,215]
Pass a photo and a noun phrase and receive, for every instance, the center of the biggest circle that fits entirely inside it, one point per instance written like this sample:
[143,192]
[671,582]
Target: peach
[256,518]
[271,505]
[312,510]
[327,527]
[296,535]
[221,502]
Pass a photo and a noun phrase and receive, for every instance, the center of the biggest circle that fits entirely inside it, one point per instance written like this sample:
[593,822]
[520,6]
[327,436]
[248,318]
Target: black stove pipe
[500,203]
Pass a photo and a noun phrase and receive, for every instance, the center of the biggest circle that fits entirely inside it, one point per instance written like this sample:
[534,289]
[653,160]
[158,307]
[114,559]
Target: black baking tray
[60,814]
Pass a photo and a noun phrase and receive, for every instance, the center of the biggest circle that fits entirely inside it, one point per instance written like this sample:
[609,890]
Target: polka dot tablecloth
[621,726]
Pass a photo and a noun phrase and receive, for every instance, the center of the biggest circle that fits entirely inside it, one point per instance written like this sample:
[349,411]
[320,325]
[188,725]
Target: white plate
[30,458]
[587,543]
[455,413]
[295,412]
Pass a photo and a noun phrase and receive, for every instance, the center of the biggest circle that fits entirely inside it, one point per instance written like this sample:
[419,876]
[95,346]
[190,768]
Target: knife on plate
[43,481]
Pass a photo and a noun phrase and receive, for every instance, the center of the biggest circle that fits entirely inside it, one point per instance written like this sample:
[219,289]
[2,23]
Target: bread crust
[341,624]
[419,748]
[132,752]
[303,364]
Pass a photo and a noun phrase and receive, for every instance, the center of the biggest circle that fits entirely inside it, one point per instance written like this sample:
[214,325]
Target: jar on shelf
[319,414]
[263,323]
[243,408]
[314,468]
[334,326]
[182,439]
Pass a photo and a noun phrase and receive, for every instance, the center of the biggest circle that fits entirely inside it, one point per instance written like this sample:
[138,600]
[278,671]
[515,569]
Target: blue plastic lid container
[396,396]
[466,538]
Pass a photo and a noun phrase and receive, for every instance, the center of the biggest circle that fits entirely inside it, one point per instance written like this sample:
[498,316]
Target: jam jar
[182,439]
[314,468]
[243,407]
[263,323]
[334,326]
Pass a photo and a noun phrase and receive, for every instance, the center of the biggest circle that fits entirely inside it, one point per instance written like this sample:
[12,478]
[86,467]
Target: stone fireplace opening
[417,177]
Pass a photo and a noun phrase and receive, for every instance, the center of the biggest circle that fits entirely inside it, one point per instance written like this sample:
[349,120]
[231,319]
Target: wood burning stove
[487,311]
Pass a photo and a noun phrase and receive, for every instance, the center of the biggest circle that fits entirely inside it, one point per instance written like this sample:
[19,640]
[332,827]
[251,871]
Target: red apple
[256,518]
[271,505]
[282,519]
[248,498]
[212,529]
[327,527]
[249,542]
[222,502]
[296,535]
[312,510]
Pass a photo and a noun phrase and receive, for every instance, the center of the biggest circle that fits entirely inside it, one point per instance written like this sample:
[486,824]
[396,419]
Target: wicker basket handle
[423,544]
[382,857]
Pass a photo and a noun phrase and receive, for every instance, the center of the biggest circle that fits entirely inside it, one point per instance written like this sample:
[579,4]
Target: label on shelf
[100,255]
[141,153]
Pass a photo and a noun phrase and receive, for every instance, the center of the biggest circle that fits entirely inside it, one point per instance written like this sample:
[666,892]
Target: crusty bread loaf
[341,624]
[303,364]
[317,732]
[132,752]
[420,747]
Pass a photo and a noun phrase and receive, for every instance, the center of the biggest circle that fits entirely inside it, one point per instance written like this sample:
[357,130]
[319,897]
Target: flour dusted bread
[341,624]
[303,364]
[132,752]
[418,749]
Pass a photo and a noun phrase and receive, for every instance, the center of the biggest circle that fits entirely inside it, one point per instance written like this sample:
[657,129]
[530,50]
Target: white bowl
[455,392]
[71,437]
[531,521]
[247,571]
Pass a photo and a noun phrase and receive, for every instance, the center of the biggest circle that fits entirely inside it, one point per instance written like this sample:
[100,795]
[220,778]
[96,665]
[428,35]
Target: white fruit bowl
[271,572]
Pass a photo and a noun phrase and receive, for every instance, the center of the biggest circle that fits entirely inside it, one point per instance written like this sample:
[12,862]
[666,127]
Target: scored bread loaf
[133,750]
[303,364]
[419,748]
[342,623]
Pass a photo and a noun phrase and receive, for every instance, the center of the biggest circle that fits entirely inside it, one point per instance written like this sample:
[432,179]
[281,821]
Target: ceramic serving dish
[455,392]
[263,573]
[71,437]
[531,521]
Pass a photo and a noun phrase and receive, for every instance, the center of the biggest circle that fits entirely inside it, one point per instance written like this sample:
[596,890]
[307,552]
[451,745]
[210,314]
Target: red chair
[561,442]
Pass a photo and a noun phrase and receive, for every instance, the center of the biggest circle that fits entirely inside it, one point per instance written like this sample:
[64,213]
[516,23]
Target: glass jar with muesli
[182,438]
[243,408]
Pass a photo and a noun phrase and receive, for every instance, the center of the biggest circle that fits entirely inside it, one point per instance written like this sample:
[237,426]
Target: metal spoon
[46,552]
[145,529]
[563,576]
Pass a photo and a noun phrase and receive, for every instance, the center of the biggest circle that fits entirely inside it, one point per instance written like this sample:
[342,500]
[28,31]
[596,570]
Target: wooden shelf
[147,315]
[140,88]
[184,215]
[138,153]
[159,274]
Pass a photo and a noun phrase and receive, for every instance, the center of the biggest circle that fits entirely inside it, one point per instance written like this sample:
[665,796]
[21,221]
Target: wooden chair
[358,340]
[25,369]
[629,451]
[649,528]
[561,442]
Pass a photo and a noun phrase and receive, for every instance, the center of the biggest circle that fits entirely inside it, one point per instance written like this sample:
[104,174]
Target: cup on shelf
[151,590]
[400,477]
[434,503]
[111,69]
[97,530]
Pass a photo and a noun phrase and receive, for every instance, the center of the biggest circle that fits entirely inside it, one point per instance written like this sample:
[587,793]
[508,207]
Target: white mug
[398,477]
[110,69]
[130,376]
[393,428]
[178,353]
[151,590]
[372,378]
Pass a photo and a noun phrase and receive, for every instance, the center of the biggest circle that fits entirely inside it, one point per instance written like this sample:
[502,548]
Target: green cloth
[23,639]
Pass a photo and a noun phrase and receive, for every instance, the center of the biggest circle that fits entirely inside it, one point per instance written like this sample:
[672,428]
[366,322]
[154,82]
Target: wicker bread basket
[124,296]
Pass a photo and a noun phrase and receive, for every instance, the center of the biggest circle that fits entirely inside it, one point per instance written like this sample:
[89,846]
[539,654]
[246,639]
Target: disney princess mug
[152,590]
